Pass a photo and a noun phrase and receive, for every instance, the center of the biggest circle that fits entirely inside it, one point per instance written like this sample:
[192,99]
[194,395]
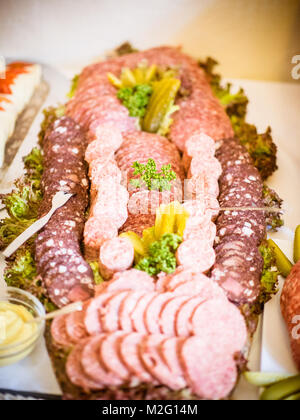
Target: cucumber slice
[282,390]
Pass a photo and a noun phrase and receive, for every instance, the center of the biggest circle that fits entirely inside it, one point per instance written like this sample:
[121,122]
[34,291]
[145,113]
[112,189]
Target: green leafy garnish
[150,177]
[260,146]
[95,268]
[136,99]
[269,278]
[271,199]
[74,85]
[50,115]
[21,272]
[161,255]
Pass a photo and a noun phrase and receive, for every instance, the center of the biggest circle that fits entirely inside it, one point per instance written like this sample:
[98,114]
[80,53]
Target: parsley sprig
[150,177]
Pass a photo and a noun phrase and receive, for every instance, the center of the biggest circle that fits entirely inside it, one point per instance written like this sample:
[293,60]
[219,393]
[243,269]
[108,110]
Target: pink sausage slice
[109,354]
[131,280]
[152,360]
[210,372]
[59,332]
[196,253]
[116,255]
[92,320]
[75,371]
[127,307]
[221,323]
[153,310]
[75,326]
[129,353]
[137,316]
[110,312]
[168,315]
[183,326]
[92,365]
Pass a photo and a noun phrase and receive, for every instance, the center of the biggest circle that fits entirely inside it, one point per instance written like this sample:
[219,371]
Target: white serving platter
[274,104]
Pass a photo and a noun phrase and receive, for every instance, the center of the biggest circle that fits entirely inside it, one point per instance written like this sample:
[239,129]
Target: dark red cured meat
[238,264]
[210,372]
[290,308]
[65,279]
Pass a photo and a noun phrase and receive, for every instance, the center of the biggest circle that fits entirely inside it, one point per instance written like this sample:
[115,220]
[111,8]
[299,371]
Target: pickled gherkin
[297,245]
[162,99]
[283,263]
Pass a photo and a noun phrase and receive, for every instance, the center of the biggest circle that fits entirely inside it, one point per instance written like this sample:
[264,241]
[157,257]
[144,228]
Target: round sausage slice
[168,314]
[75,370]
[75,326]
[152,360]
[127,307]
[183,325]
[92,366]
[130,356]
[109,354]
[59,332]
[110,312]
[196,253]
[131,280]
[116,255]
[137,316]
[210,372]
[153,310]
[92,319]
[221,323]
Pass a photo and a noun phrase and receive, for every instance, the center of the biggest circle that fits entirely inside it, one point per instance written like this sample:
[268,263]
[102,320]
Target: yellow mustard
[17,336]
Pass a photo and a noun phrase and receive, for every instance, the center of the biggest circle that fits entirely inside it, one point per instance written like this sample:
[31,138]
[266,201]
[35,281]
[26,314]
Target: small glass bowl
[15,352]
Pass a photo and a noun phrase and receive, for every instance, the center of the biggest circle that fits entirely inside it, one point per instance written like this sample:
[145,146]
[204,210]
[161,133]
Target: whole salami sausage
[290,308]
[65,274]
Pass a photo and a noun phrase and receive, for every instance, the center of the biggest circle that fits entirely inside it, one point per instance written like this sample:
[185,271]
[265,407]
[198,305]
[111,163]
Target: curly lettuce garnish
[21,272]
[272,199]
[260,146]
[161,255]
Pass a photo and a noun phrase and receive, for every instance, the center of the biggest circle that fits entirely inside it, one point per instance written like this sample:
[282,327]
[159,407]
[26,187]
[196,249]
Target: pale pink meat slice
[92,320]
[137,315]
[183,326]
[75,371]
[59,332]
[152,360]
[110,355]
[169,313]
[153,310]
[127,307]
[129,353]
[210,372]
[222,323]
[92,365]
[75,326]
[110,312]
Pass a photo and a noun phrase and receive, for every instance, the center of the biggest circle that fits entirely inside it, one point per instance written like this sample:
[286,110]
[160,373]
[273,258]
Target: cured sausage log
[239,264]
[146,311]
[125,359]
[290,308]
[65,274]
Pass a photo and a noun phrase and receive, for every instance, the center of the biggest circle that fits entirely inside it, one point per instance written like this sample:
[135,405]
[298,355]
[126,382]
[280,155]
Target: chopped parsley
[161,255]
[150,177]
[136,99]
